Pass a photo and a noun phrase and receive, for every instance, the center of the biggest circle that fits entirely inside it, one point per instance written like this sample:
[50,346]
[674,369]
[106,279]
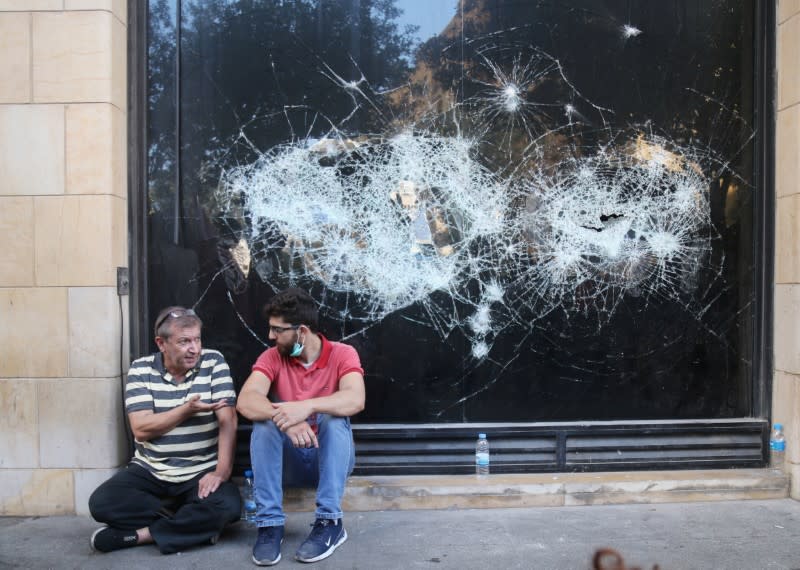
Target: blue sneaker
[326,536]
[267,550]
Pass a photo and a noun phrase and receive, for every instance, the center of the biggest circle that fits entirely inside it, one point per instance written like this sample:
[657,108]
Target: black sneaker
[108,539]
[326,536]
[267,550]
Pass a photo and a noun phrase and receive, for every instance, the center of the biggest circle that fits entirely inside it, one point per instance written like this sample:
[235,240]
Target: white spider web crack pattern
[416,217]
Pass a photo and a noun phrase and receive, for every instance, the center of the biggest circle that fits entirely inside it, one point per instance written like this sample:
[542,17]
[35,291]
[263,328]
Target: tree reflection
[539,87]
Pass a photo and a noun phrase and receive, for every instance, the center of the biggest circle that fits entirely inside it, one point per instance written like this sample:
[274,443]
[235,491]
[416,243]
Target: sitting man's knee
[227,501]
[233,510]
[226,497]
[100,505]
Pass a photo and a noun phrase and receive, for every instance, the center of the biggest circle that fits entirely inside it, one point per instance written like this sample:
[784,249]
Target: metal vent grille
[558,447]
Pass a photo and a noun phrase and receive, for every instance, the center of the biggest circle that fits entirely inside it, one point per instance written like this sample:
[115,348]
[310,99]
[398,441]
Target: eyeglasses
[175,315]
[279,330]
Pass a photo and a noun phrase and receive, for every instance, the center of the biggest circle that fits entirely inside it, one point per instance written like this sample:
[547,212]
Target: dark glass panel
[515,210]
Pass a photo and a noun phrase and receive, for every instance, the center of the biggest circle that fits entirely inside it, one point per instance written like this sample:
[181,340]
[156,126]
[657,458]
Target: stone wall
[786,383]
[63,215]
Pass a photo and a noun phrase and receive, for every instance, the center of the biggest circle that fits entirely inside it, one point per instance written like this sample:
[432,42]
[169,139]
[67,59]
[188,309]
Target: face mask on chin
[297,349]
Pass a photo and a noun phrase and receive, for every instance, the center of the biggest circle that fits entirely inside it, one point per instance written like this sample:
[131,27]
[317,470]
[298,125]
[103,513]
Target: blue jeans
[278,463]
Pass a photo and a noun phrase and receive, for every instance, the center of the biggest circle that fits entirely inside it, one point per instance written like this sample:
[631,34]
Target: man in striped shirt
[180,405]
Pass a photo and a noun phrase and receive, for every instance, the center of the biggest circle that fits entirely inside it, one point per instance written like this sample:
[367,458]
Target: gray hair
[175,315]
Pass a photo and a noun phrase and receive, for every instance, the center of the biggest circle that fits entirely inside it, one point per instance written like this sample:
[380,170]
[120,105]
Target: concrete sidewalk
[746,535]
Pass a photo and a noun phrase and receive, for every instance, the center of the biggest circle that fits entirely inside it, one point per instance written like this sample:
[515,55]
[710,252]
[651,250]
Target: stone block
[16,235]
[784,409]
[787,9]
[117,7]
[439,492]
[36,492]
[96,149]
[33,332]
[86,481]
[30,5]
[15,57]
[94,332]
[371,493]
[672,487]
[791,421]
[119,70]
[793,470]
[119,64]
[79,240]
[81,423]
[119,155]
[74,57]
[787,159]
[787,328]
[31,150]
[787,239]
[119,234]
[19,428]
[789,62]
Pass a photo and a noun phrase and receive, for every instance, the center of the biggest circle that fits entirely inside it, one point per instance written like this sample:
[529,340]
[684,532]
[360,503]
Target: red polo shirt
[291,381]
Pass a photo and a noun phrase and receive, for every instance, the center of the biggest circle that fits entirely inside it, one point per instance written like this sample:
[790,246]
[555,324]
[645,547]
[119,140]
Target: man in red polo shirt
[300,396]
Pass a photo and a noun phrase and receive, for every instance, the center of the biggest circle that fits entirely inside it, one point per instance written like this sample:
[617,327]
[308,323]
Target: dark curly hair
[294,306]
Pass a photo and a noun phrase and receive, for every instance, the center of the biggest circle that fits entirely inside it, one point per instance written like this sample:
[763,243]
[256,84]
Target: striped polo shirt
[191,447]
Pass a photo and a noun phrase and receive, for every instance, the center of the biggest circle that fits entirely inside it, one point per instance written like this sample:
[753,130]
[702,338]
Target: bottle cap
[248,473]
[481,436]
[778,426]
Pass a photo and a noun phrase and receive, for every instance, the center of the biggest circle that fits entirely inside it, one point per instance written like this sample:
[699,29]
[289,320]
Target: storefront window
[516,211]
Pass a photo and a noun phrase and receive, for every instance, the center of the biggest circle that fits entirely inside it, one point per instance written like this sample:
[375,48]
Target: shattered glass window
[515,210]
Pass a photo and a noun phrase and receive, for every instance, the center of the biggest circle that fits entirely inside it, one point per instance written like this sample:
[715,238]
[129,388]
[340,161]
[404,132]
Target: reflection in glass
[516,211]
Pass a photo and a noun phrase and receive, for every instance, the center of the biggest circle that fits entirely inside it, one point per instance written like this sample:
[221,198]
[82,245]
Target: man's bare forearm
[150,425]
[147,424]
[226,446]
[343,403]
[254,406]
[347,401]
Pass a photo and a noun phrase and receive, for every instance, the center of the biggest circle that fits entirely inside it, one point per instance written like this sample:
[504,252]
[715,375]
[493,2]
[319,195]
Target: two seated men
[180,404]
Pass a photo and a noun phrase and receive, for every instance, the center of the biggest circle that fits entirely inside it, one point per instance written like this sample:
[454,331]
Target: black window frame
[403,442]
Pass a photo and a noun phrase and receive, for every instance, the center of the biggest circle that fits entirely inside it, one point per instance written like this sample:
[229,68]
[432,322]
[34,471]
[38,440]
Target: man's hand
[196,406]
[301,435]
[209,483]
[147,425]
[290,414]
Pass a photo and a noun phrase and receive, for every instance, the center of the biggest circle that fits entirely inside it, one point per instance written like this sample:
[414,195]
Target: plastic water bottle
[248,498]
[482,456]
[777,446]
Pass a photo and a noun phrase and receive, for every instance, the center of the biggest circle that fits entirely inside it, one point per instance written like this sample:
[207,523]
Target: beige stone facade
[786,381]
[63,204]
[63,215]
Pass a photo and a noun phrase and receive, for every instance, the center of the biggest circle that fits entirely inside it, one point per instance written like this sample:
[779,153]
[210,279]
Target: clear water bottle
[248,498]
[482,456]
[777,446]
